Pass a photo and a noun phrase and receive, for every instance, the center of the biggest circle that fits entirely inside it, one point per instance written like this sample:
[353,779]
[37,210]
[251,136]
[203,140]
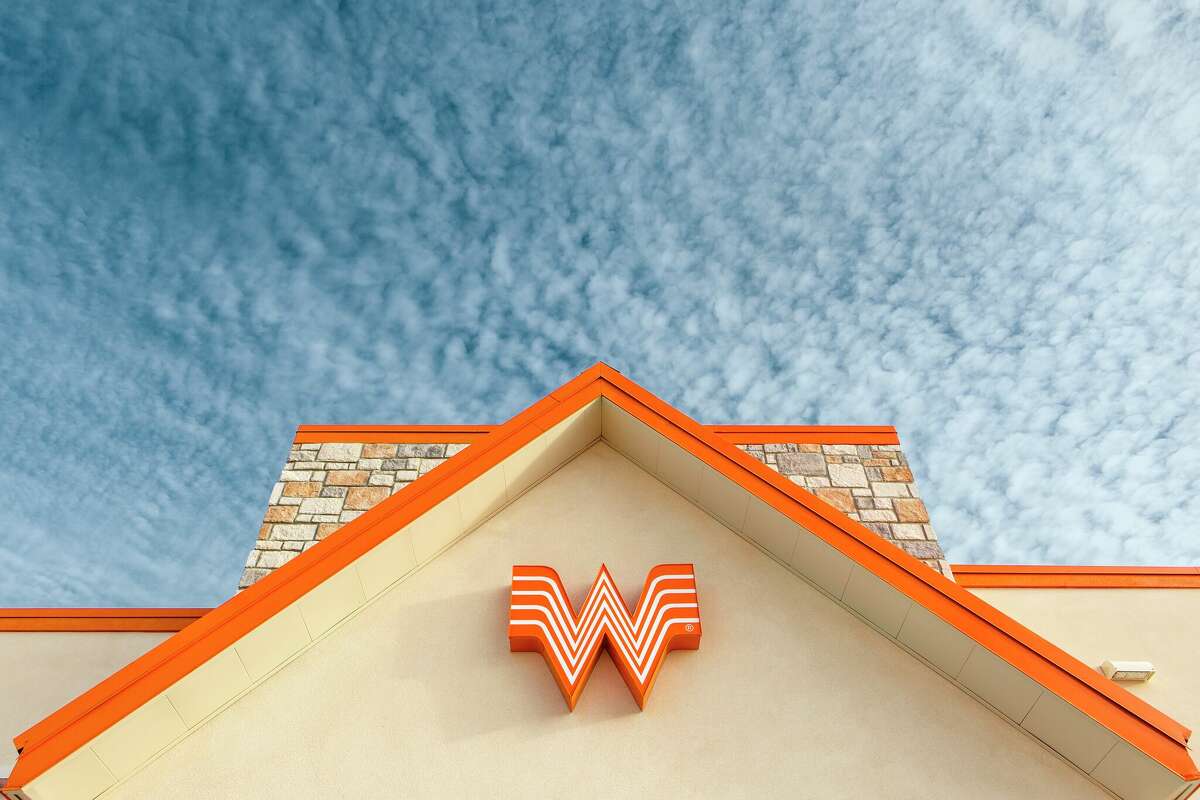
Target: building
[375,649]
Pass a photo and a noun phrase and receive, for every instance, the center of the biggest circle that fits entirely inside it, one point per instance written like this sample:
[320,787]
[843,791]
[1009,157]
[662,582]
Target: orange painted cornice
[1011,576]
[459,434]
[74,725]
[98,619]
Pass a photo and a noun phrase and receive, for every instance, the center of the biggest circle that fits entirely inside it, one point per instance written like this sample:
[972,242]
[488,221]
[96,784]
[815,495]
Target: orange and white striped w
[541,620]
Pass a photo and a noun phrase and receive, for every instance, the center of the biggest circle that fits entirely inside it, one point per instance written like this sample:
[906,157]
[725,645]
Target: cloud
[977,222]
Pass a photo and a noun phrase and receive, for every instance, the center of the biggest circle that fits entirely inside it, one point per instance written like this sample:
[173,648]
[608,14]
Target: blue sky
[976,221]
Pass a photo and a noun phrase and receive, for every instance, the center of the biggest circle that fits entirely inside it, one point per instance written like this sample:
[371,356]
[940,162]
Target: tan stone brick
[910,510]
[347,477]
[379,451]
[280,514]
[326,528]
[301,489]
[841,499]
[264,532]
[901,474]
[808,448]
[363,497]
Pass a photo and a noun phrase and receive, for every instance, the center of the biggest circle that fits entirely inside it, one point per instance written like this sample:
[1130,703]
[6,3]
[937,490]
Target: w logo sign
[541,620]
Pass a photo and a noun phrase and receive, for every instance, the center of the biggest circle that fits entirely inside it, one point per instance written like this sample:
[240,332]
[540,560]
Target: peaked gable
[1119,740]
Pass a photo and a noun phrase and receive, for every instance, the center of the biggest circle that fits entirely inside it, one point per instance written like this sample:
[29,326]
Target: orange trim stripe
[78,722]
[1012,576]
[98,619]
[458,434]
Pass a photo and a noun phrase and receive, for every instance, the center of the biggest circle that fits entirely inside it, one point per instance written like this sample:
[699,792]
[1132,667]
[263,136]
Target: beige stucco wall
[1158,625]
[39,672]
[788,696]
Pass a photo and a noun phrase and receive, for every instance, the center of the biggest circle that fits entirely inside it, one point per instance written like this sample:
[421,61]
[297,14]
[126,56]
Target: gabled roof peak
[832,551]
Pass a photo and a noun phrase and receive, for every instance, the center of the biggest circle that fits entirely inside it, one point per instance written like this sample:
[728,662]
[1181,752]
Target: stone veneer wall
[870,483]
[326,485]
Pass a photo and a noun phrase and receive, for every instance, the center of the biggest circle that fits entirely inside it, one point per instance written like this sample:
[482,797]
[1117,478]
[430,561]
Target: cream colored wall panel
[386,563]
[936,640]
[331,601]
[1095,625]
[1135,776]
[273,642]
[435,529]
[680,470]
[208,687]
[526,467]
[631,437]
[573,434]
[876,600]
[723,498]
[821,563]
[79,776]
[772,530]
[1069,731]
[1011,691]
[40,671]
[482,497]
[126,745]
[421,695]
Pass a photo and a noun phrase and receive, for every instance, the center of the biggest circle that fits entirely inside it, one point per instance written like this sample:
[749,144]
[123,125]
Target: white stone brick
[278,558]
[349,515]
[370,463]
[322,505]
[295,475]
[908,530]
[294,532]
[884,489]
[383,479]
[847,475]
[840,449]
[454,449]
[340,451]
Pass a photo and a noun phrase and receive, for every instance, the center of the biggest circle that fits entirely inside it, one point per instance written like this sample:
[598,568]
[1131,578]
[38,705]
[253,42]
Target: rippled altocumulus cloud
[978,222]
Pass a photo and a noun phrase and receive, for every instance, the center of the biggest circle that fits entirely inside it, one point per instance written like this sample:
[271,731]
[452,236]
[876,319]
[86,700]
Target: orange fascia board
[392,434]
[1012,576]
[98,620]
[77,723]
[458,434]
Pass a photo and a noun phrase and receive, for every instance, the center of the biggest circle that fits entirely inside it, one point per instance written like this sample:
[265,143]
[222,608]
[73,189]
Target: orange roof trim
[738,434]
[1011,576]
[94,620]
[1141,725]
